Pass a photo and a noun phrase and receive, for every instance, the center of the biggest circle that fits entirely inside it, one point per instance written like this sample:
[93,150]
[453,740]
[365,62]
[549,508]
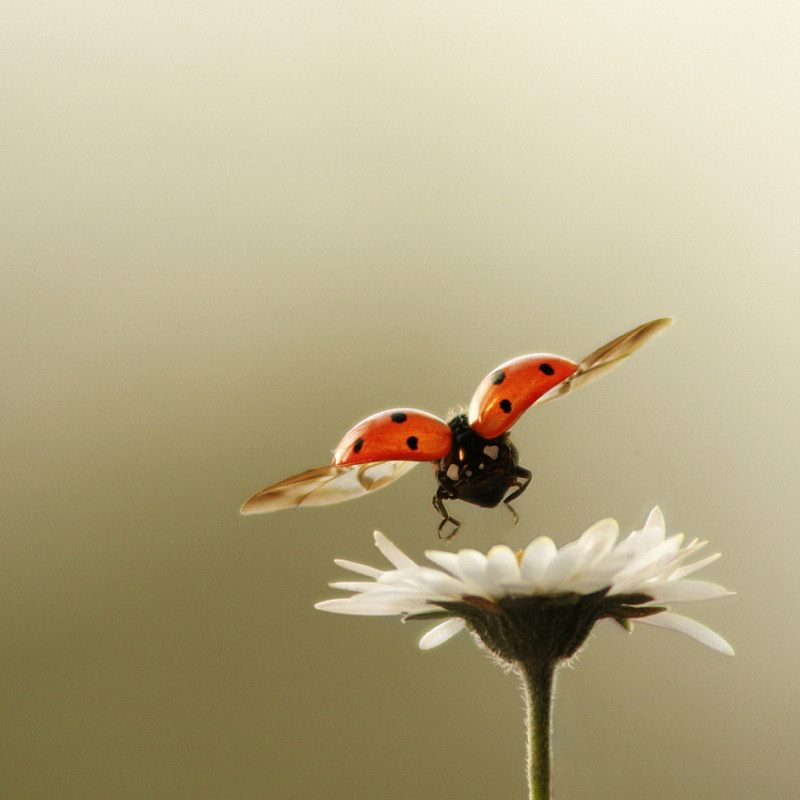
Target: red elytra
[398,434]
[512,388]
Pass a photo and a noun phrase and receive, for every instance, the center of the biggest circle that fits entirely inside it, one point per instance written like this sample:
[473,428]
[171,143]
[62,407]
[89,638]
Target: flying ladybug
[472,454]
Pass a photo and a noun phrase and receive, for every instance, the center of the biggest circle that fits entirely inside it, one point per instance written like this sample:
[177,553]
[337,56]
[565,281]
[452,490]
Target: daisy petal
[690,568]
[536,558]
[384,604]
[600,538]
[655,525]
[677,591]
[441,633]
[564,565]
[439,584]
[361,569]
[345,605]
[472,566]
[448,561]
[691,628]
[502,565]
[353,586]
[392,552]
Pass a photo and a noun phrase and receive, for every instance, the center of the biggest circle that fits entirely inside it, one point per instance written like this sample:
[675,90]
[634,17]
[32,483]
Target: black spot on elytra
[358,445]
[498,377]
[547,369]
[505,405]
[399,416]
[412,442]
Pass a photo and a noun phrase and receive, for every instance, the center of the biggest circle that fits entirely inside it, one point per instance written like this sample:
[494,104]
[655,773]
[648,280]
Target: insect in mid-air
[472,454]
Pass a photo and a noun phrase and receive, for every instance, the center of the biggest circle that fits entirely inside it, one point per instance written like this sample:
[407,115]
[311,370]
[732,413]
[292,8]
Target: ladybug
[473,457]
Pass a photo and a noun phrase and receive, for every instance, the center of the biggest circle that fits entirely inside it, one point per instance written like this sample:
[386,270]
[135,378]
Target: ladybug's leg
[438,504]
[513,511]
[526,476]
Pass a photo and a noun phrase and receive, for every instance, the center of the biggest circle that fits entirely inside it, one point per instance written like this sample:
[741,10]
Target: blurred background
[230,231]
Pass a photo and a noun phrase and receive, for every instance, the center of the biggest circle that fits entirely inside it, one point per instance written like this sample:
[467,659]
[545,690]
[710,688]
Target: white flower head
[510,600]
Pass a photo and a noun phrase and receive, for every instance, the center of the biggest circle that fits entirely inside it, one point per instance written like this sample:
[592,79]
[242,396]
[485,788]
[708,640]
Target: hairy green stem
[538,676]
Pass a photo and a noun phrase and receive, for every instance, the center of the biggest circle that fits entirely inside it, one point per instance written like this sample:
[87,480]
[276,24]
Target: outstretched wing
[334,483]
[513,387]
[607,357]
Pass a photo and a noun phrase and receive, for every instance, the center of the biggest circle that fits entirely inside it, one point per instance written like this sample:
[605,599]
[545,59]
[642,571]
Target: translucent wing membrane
[326,485]
[607,357]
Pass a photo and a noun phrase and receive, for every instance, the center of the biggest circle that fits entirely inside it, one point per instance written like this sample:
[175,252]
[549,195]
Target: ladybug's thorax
[477,470]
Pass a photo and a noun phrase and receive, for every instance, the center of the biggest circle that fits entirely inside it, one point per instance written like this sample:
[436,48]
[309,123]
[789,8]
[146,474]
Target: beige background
[231,230]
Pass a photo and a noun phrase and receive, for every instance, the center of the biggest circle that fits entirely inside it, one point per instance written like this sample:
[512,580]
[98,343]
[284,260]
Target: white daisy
[541,598]
[534,609]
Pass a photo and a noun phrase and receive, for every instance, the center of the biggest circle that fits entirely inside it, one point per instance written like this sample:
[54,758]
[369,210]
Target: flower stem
[538,678]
